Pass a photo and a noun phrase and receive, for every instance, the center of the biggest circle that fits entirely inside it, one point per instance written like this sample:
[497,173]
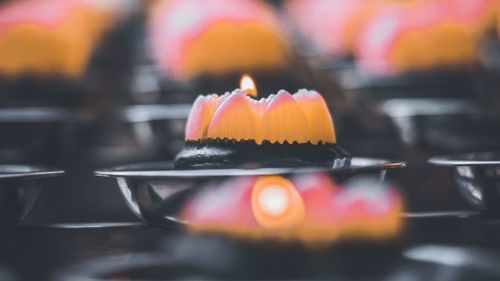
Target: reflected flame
[247,84]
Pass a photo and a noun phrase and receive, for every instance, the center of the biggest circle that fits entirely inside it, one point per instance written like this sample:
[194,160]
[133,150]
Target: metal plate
[20,172]
[166,170]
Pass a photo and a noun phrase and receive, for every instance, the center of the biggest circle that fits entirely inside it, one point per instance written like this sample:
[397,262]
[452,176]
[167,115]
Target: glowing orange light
[247,84]
[308,208]
[276,203]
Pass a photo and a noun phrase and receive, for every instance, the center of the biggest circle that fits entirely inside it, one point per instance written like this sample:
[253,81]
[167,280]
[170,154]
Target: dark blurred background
[86,84]
[90,84]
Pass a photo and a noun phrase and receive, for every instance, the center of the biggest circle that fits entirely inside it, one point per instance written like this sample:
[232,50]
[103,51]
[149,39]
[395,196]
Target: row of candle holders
[152,190]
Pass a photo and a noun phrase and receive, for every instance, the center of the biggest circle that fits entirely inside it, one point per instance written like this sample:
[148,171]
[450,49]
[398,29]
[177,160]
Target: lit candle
[248,85]
[281,118]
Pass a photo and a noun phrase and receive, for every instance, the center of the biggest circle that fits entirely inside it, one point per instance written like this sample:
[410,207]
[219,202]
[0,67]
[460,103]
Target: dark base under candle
[213,154]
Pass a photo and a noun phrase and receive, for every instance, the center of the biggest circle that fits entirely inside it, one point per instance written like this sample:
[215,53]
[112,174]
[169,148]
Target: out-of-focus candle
[51,37]
[307,208]
[221,37]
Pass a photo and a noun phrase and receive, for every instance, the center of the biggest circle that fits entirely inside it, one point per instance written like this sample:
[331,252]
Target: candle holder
[20,187]
[155,192]
[477,176]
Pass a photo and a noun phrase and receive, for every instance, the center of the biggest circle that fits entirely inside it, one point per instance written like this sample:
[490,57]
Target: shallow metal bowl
[138,133]
[123,133]
[20,187]
[156,191]
[81,139]
[362,86]
[477,176]
[35,133]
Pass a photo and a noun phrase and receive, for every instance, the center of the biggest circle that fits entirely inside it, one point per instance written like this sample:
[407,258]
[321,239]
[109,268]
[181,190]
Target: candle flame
[247,84]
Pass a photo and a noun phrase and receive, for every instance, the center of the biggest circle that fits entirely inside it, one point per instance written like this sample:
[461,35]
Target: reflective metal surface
[166,169]
[143,128]
[57,246]
[142,113]
[138,133]
[450,262]
[446,125]
[185,257]
[284,261]
[80,141]
[20,187]
[414,117]
[477,176]
[191,258]
[42,137]
[38,114]
[363,86]
[156,191]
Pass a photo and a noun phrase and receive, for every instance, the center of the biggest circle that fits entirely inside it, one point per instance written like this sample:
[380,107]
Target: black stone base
[231,154]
